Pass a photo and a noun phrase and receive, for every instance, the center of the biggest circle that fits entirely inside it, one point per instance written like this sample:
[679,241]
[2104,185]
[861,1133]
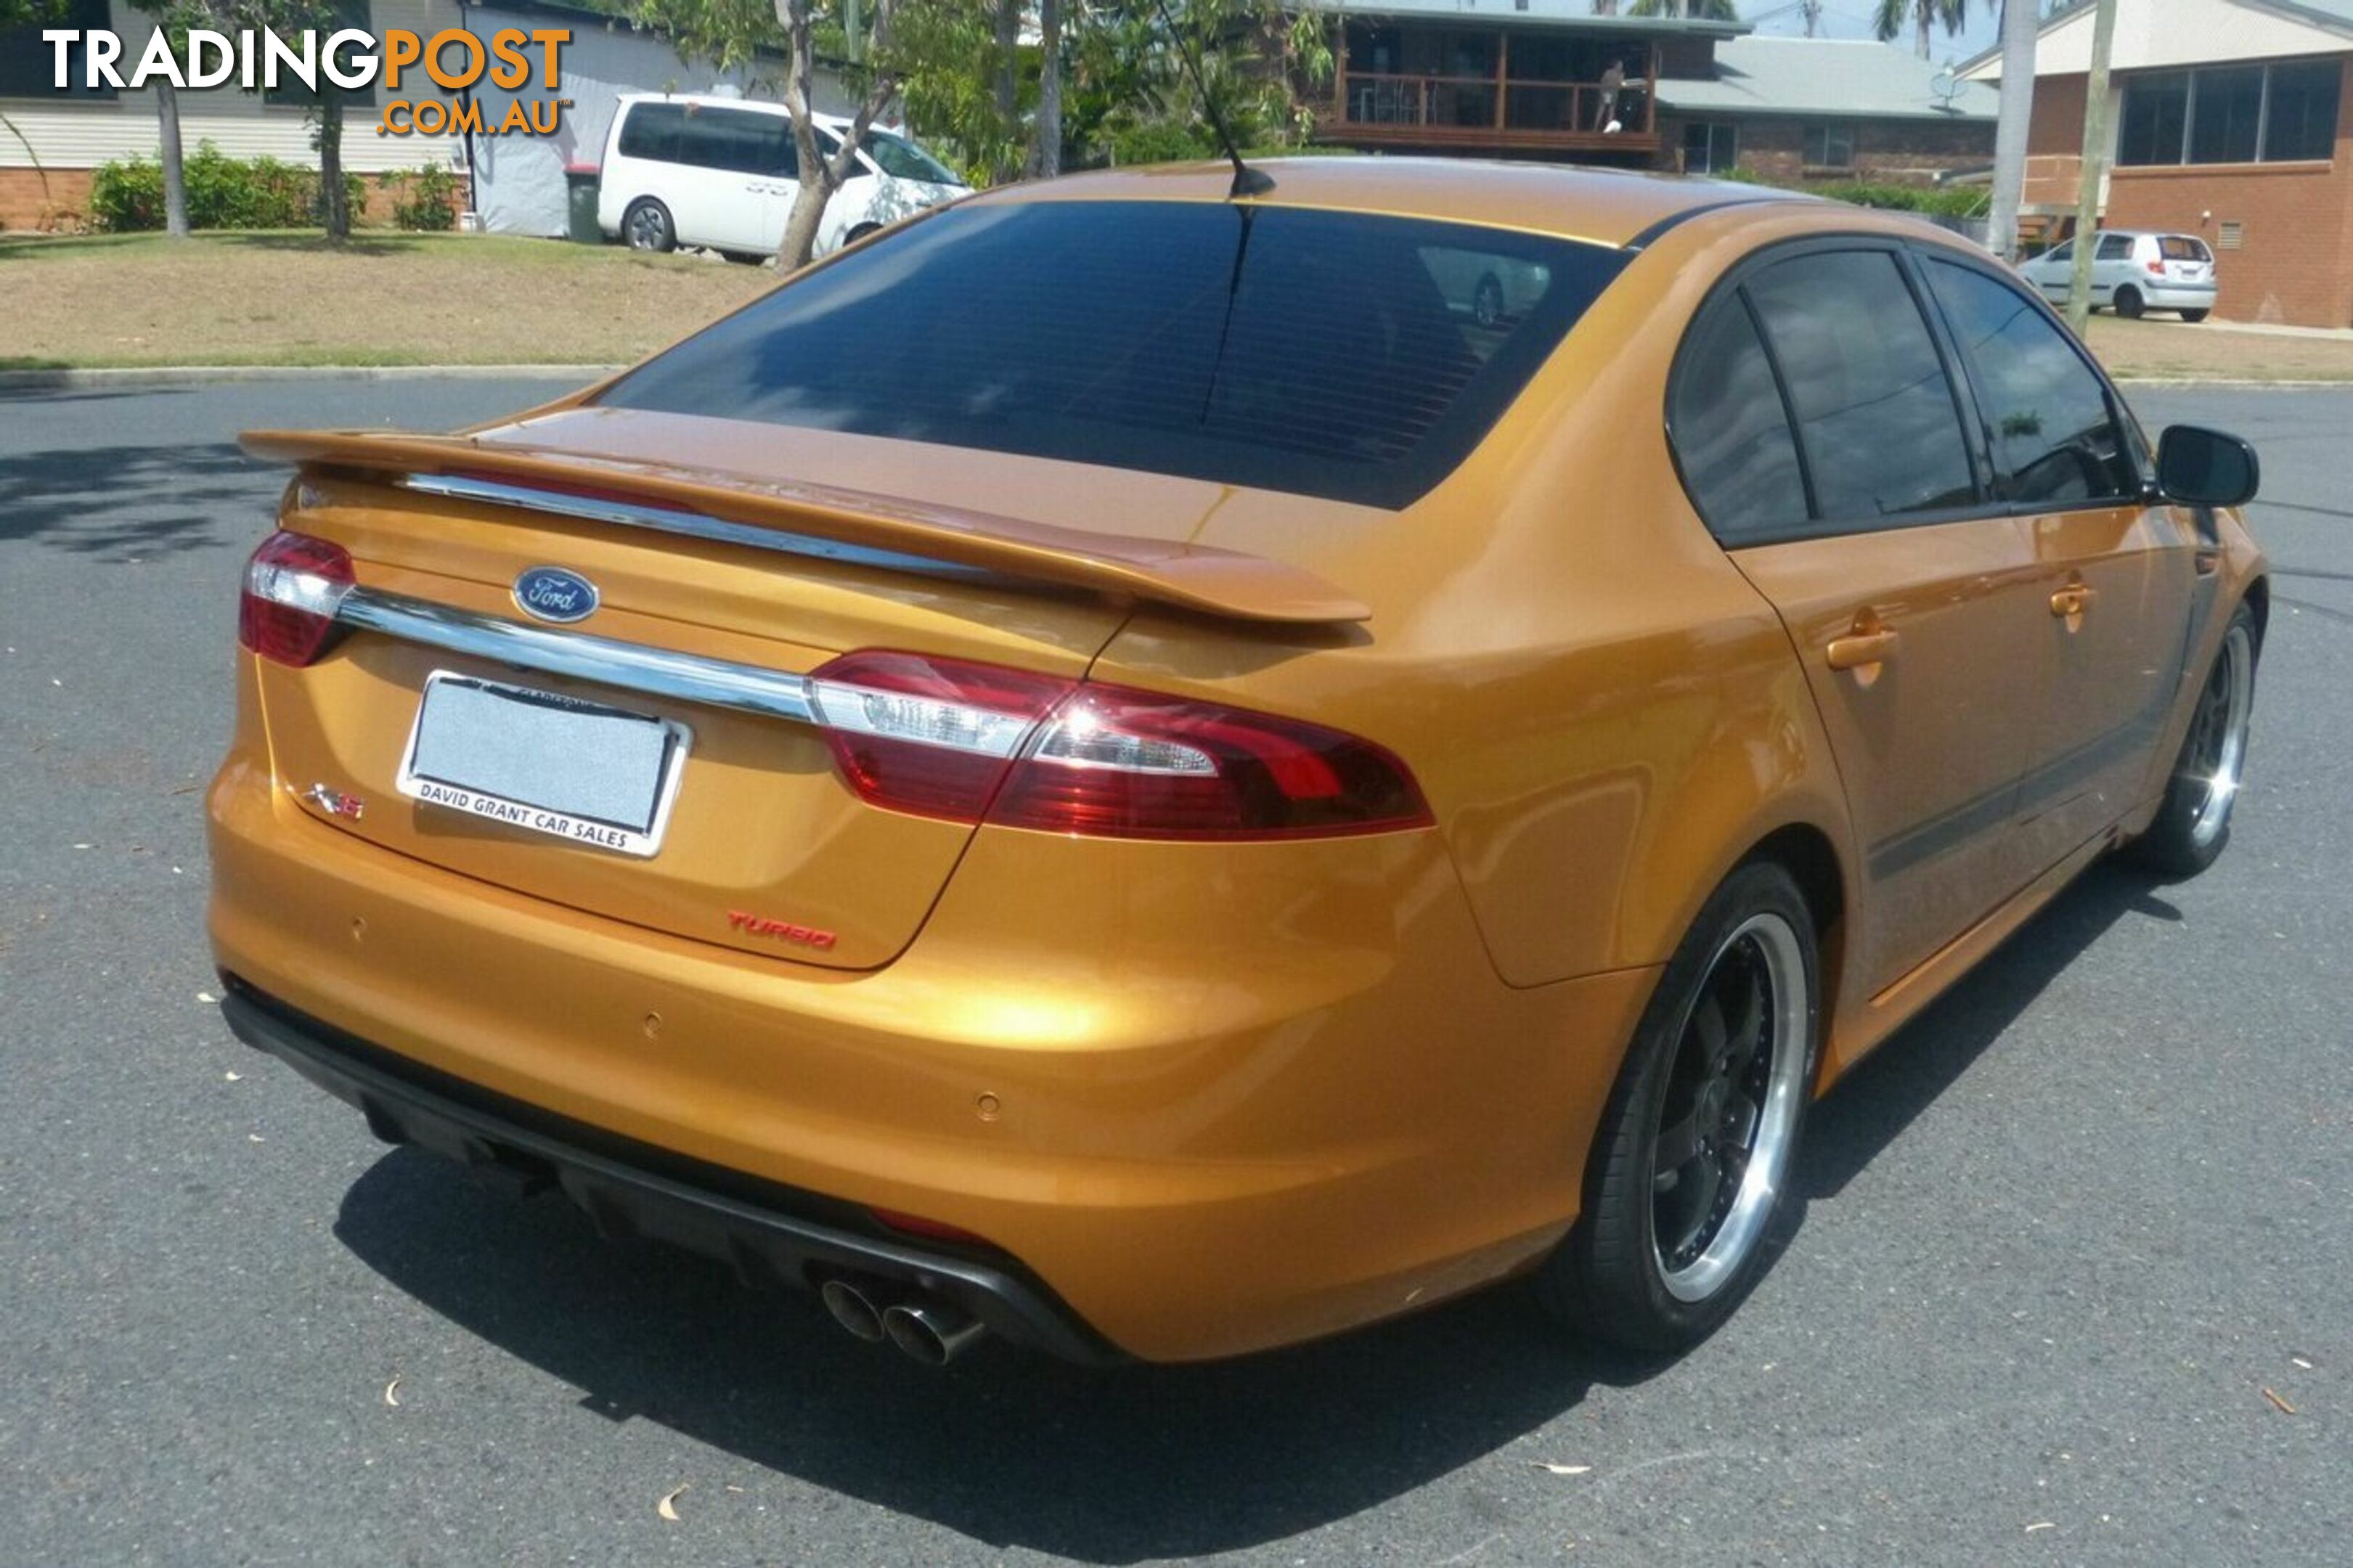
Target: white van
[722,173]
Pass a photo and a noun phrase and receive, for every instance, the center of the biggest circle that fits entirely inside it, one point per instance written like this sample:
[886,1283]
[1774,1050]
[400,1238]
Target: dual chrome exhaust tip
[931,1331]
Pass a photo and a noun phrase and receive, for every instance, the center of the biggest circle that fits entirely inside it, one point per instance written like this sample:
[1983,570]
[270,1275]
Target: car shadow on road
[1147,1462]
[1870,1107]
[1006,1447]
[134,500]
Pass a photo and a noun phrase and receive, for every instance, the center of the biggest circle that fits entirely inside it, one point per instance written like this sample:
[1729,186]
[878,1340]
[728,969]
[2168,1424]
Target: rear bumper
[2179,296]
[1206,1116]
[771,1235]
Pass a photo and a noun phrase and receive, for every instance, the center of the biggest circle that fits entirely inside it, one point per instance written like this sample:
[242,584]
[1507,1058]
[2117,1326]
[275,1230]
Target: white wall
[2161,33]
[519,180]
[85,133]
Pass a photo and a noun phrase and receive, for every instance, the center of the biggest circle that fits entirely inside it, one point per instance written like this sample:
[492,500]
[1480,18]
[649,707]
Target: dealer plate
[545,763]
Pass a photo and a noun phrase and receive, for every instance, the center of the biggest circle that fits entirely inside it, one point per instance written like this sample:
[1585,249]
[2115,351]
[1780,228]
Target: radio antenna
[1248,182]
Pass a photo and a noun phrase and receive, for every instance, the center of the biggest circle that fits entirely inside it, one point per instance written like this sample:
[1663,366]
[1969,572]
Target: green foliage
[1134,100]
[223,192]
[1889,17]
[1943,201]
[425,199]
[1162,142]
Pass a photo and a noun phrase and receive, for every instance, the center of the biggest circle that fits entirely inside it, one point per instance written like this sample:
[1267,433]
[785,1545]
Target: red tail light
[292,586]
[950,739]
[931,736]
[2155,268]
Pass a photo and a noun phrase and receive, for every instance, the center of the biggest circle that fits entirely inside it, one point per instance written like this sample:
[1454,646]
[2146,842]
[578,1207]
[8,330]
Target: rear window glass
[1336,354]
[2182,248]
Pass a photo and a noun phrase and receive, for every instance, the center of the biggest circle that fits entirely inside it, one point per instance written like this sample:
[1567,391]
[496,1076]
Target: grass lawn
[416,298]
[382,299]
[2164,348]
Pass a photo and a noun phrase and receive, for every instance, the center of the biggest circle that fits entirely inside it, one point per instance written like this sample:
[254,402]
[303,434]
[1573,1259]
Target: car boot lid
[531,465]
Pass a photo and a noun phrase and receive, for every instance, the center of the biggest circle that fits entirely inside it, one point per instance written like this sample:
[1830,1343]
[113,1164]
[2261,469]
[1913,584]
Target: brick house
[1548,79]
[2230,122]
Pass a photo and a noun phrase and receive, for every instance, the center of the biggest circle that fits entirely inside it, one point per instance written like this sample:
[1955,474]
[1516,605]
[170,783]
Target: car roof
[721,100]
[1604,206]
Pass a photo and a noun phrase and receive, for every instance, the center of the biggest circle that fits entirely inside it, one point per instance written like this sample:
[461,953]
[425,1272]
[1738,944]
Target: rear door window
[736,141]
[1876,417]
[1731,431]
[1338,354]
[2056,439]
[2114,248]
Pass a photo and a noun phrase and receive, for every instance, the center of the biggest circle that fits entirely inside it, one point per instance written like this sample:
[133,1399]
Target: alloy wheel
[1728,1117]
[2217,754]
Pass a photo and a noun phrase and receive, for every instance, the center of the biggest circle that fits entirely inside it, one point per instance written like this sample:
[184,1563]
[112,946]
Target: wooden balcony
[1502,113]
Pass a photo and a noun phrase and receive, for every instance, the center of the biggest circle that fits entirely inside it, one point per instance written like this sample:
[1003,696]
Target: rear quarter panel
[1605,716]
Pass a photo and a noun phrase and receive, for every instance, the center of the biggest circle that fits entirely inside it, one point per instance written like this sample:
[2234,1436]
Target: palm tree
[1698,10]
[1889,17]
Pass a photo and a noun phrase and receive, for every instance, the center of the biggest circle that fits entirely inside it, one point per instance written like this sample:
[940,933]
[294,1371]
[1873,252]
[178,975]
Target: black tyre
[746,257]
[2129,303]
[2194,823]
[1487,302]
[647,225]
[860,232]
[1696,1146]
[2193,317]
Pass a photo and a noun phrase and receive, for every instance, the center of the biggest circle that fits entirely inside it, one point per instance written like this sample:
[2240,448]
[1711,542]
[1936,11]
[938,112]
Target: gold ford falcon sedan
[1155,773]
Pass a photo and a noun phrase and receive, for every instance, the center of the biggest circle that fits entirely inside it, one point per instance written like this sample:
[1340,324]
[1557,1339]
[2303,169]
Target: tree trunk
[819,176]
[801,224]
[1046,157]
[2092,173]
[175,188]
[334,205]
[2019,19]
[1008,85]
[1924,15]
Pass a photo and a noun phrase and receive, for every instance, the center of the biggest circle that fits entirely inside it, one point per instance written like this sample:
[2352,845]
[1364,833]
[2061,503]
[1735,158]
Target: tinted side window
[651,131]
[2115,248]
[1874,408]
[733,139]
[2054,437]
[1731,432]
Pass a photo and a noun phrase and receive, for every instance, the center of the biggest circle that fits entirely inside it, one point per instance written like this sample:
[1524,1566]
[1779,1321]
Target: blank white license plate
[545,763]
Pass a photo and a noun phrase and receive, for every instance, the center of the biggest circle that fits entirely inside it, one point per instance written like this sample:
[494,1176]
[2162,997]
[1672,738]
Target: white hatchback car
[721,174]
[2133,271]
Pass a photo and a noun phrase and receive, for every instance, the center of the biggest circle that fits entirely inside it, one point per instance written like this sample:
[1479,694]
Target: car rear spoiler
[875,529]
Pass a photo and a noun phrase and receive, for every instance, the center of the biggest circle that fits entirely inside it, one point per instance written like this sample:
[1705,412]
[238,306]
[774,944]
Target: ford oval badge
[551,594]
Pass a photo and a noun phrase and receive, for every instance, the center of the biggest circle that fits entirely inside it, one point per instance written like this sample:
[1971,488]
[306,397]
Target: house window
[2226,108]
[1830,145]
[1711,147]
[2300,119]
[2271,113]
[28,65]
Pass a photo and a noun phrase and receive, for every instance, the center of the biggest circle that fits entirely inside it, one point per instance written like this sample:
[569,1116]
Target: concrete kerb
[138,378]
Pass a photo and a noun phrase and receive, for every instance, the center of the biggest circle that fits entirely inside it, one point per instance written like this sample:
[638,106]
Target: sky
[1851,19]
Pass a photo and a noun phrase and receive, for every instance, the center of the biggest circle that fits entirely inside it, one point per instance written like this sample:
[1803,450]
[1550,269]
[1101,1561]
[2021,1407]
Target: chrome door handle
[1861,651]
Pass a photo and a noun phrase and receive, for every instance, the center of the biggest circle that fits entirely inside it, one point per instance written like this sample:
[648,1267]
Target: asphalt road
[2054,1244]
